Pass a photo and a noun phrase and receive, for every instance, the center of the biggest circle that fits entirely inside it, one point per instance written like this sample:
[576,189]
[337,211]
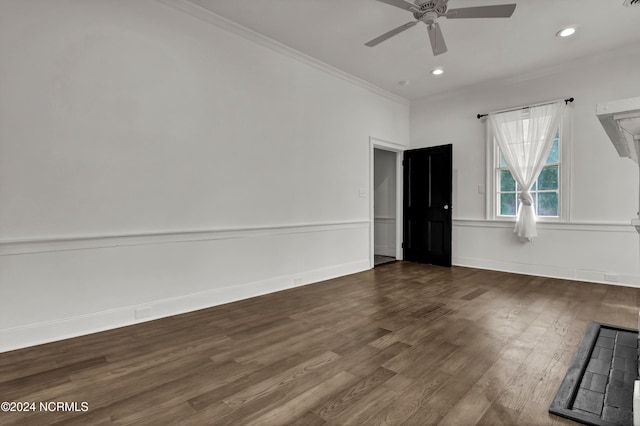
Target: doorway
[384,206]
[428,175]
[385,211]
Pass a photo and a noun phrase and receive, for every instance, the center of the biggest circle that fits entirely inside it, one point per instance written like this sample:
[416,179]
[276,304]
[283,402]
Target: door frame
[398,149]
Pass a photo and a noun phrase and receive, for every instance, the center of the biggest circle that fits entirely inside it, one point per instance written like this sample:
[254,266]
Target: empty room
[365,212]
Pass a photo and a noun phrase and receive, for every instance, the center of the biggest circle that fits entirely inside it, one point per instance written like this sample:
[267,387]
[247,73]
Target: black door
[427,205]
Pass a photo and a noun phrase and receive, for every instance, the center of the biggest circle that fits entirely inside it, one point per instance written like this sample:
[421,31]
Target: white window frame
[565,142]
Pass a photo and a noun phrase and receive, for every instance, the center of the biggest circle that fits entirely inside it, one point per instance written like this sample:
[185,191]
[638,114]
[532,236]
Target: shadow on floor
[381,260]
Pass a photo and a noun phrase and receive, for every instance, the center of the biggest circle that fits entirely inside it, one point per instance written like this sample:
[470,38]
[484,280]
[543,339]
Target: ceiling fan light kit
[429,11]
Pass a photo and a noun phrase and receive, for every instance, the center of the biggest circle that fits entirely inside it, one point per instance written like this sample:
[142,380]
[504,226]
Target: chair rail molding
[564,226]
[65,243]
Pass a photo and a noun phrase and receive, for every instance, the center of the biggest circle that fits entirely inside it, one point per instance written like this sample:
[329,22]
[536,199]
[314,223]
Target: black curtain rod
[566,101]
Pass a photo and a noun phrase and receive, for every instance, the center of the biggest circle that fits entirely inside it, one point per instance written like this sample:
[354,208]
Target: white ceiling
[480,50]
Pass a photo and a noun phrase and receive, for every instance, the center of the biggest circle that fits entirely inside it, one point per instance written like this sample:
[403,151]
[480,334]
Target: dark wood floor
[401,344]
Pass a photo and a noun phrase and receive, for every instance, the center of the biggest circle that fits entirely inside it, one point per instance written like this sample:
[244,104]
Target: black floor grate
[598,387]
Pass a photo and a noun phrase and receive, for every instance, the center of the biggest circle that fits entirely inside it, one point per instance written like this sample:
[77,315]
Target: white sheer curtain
[525,137]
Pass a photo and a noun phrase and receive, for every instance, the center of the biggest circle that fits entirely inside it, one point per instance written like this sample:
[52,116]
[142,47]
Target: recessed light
[566,32]
[437,71]
[404,82]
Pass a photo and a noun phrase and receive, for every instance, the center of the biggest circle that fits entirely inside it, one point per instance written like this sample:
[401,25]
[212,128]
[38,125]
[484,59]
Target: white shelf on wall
[621,121]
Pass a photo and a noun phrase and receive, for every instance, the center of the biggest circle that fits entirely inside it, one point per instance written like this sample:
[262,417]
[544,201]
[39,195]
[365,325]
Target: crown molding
[513,79]
[210,17]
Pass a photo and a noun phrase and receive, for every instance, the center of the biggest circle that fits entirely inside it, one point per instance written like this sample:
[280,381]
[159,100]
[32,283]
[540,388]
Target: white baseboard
[548,271]
[46,332]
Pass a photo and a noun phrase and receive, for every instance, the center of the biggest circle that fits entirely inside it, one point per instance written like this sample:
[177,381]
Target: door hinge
[403,162]
[402,245]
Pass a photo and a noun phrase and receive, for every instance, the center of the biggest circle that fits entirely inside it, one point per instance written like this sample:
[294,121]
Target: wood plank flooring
[400,344]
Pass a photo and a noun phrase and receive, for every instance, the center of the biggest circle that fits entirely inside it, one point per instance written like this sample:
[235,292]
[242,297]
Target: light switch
[480,189]
[362,192]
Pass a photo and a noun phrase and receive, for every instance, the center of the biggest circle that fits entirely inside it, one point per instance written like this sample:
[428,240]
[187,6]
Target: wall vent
[630,3]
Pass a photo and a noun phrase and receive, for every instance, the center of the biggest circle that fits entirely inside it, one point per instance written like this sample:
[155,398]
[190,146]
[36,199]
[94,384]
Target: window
[545,192]
[551,191]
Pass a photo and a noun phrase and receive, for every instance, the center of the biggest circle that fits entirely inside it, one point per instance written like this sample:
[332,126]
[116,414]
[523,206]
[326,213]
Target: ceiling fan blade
[497,11]
[390,34]
[437,40]
[402,4]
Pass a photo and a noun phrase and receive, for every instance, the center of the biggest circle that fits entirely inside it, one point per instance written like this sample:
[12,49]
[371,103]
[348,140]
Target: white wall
[384,202]
[604,187]
[150,158]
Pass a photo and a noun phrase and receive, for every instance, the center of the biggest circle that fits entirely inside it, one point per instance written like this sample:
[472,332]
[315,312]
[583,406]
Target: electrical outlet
[297,281]
[143,312]
[612,278]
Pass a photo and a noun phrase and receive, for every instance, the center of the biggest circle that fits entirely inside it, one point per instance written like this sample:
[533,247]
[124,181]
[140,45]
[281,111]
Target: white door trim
[398,149]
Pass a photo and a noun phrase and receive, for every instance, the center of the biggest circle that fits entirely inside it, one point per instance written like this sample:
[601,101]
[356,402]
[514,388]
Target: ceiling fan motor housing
[429,6]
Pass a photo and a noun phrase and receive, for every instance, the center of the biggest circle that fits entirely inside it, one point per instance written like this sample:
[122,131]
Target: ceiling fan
[428,11]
